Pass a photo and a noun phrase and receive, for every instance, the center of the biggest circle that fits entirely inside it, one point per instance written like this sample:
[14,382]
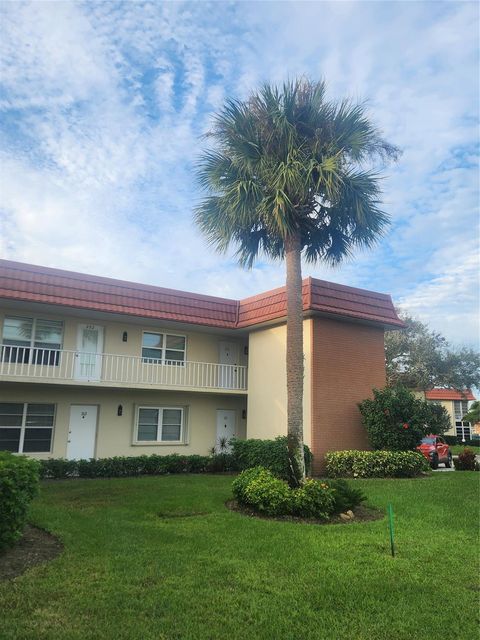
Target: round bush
[19,479]
[396,420]
[259,489]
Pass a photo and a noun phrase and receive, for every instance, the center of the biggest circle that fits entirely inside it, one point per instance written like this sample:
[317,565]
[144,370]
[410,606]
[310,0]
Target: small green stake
[390,524]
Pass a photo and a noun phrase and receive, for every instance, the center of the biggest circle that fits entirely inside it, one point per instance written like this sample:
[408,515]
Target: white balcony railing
[75,366]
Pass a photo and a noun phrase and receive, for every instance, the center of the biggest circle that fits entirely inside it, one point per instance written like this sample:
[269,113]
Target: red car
[436,450]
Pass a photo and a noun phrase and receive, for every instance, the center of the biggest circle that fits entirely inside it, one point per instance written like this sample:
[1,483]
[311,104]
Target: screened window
[31,340]
[163,348]
[26,428]
[160,424]
[463,429]
[461,408]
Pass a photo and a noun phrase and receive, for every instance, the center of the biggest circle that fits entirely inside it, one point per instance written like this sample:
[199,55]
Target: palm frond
[288,161]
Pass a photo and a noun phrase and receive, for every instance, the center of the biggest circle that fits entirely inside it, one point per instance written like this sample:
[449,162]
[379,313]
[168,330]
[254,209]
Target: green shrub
[314,499]
[221,462]
[466,461]
[58,468]
[239,485]
[18,486]
[474,441]
[196,464]
[126,466]
[259,489]
[268,494]
[396,420]
[345,496]
[270,454]
[375,464]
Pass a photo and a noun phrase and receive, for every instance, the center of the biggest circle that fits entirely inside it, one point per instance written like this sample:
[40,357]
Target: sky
[103,106]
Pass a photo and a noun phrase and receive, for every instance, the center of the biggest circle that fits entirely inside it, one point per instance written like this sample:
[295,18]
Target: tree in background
[291,176]
[420,358]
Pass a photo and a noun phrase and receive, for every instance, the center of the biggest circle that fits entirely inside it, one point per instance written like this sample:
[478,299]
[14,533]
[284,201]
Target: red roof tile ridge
[444,393]
[112,282]
[70,288]
[349,289]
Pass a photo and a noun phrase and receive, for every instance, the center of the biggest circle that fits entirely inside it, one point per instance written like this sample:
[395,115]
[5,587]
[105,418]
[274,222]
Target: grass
[458,448]
[161,558]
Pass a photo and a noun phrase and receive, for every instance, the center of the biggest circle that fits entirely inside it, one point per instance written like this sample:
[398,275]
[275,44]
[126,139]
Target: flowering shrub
[466,461]
[375,464]
[396,420]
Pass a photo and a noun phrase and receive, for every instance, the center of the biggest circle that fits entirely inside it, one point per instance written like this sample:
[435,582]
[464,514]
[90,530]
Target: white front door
[88,365]
[226,420]
[228,372]
[81,431]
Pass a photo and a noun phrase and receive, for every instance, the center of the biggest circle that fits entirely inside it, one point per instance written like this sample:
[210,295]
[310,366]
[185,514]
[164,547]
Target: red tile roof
[31,283]
[449,394]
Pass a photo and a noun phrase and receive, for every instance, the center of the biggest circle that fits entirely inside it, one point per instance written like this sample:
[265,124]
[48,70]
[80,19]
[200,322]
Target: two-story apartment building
[456,403]
[96,367]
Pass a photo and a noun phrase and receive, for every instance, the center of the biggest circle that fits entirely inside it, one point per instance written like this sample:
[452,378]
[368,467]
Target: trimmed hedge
[270,454]
[472,442]
[18,486]
[375,464]
[125,466]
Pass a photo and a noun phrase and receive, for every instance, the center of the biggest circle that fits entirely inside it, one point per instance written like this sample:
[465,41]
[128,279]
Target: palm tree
[473,414]
[289,175]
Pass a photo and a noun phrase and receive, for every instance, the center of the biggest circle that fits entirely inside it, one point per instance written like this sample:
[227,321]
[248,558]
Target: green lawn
[138,564]
[458,448]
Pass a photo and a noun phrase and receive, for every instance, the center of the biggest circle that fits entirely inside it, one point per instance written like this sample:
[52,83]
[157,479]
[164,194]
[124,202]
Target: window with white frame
[31,340]
[163,348]
[159,424]
[463,429]
[26,427]
[460,408]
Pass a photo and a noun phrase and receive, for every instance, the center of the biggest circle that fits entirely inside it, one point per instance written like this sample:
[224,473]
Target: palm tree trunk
[295,358]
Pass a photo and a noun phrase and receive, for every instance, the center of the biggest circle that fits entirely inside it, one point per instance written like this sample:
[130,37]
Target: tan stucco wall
[267,382]
[449,406]
[114,433]
[201,346]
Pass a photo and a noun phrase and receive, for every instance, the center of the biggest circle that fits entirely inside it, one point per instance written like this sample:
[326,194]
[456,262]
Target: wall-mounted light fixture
[125,336]
[120,410]
[245,350]
[244,414]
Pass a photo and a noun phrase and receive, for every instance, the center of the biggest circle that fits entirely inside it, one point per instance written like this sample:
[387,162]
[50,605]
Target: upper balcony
[61,366]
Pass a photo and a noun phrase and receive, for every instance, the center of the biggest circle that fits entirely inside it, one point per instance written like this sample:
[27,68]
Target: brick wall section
[348,361]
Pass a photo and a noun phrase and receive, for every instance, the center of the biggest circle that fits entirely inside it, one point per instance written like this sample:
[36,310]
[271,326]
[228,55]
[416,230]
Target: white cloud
[104,104]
